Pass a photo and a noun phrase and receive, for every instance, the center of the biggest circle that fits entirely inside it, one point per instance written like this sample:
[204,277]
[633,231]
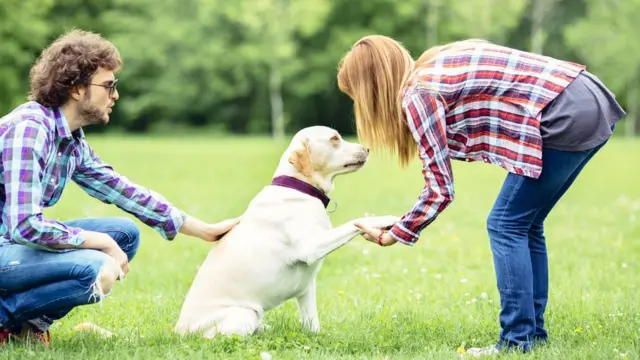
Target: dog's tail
[87,326]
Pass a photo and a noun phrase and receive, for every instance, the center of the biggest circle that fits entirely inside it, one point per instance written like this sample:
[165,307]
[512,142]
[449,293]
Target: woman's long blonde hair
[374,74]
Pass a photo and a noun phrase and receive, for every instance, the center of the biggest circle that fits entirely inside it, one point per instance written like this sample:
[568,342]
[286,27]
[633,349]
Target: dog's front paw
[313,328]
[312,325]
[380,222]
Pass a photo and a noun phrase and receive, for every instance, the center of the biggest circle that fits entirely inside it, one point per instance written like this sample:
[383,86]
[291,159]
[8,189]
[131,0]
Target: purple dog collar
[293,183]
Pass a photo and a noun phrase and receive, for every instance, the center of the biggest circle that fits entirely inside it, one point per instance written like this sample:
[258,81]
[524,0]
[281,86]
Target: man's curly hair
[70,60]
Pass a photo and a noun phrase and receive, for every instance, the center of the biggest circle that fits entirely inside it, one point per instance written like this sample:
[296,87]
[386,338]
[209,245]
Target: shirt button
[59,154]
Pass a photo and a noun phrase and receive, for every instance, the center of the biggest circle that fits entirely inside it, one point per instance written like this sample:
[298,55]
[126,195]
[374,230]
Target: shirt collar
[62,126]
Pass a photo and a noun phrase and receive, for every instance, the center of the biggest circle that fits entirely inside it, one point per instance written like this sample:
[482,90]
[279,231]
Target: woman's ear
[301,159]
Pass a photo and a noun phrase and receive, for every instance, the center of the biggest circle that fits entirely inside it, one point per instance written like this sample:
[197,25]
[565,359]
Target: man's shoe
[5,335]
[30,333]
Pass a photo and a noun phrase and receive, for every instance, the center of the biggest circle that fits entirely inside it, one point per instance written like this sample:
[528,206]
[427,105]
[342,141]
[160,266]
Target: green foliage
[599,37]
[229,65]
[23,30]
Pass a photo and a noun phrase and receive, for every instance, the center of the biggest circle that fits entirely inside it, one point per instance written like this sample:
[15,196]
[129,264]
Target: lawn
[400,302]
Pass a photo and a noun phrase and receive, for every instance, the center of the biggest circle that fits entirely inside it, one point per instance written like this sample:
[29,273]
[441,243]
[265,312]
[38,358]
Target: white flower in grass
[624,265]
[374,275]
[437,276]
[365,251]
[265,355]
[464,280]
[484,295]
[423,270]
[404,271]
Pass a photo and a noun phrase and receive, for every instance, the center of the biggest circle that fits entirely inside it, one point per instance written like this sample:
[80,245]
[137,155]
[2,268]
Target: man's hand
[121,258]
[208,232]
[216,231]
[102,242]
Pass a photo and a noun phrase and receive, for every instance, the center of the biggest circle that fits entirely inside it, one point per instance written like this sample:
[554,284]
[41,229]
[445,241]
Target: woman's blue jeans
[516,233]
[39,287]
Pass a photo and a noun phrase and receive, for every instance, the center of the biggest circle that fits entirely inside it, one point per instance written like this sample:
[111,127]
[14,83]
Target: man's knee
[99,273]
[106,278]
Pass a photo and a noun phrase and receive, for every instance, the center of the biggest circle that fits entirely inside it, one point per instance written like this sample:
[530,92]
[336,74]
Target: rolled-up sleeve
[102,182]
[426,120]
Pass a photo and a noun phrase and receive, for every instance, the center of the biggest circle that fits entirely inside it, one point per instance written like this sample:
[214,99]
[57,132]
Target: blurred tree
[485,19]
[600,38]
[24,29]
[540,10]
[271,31]
[181,64]
[269,66]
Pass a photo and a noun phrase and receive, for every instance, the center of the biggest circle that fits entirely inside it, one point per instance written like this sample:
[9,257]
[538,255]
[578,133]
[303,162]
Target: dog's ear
[301,159]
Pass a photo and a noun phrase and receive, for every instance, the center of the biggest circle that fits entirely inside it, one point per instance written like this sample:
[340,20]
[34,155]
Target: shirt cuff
[170,228]
[403,235]
[75,239]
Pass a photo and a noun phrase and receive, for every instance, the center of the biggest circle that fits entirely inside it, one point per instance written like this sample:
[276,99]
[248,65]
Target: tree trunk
[277,104]
[537,26]
[279,36]
[431,22]
[486,21]
[632,114]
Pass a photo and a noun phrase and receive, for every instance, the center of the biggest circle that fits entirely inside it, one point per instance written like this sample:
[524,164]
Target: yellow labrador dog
[275,252]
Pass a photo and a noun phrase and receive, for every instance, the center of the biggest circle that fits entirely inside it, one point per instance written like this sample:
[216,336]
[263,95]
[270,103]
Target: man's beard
[91,114]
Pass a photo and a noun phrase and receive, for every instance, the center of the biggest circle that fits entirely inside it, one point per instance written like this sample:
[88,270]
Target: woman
[539,118]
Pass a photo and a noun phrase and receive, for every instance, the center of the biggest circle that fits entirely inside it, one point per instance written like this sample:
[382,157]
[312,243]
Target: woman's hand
[376,236]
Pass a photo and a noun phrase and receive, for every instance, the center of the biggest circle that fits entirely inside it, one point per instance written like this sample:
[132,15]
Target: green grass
[399,302]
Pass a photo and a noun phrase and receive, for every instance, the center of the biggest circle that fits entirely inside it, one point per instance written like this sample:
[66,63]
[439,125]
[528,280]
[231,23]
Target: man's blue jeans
[516,232]
[40,287]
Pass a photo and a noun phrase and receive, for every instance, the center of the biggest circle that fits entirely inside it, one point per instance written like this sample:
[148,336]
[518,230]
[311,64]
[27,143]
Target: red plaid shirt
[494,96]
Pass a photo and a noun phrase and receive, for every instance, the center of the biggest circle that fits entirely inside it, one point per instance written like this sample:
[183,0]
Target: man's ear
[301,159]
[74,93]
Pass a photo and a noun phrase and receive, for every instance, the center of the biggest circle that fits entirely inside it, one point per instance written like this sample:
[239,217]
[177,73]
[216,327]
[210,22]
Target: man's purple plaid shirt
[40,155]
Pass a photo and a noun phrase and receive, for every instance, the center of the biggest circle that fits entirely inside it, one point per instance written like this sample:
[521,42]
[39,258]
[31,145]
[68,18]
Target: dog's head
[318,154]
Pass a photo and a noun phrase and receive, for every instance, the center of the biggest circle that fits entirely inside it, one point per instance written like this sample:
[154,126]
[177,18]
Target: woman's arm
[426,120]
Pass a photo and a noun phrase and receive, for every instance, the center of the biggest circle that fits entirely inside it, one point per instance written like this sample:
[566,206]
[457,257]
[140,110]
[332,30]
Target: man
[48,267]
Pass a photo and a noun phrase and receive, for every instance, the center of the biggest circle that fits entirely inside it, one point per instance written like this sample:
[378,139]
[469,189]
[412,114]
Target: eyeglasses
[111,85]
